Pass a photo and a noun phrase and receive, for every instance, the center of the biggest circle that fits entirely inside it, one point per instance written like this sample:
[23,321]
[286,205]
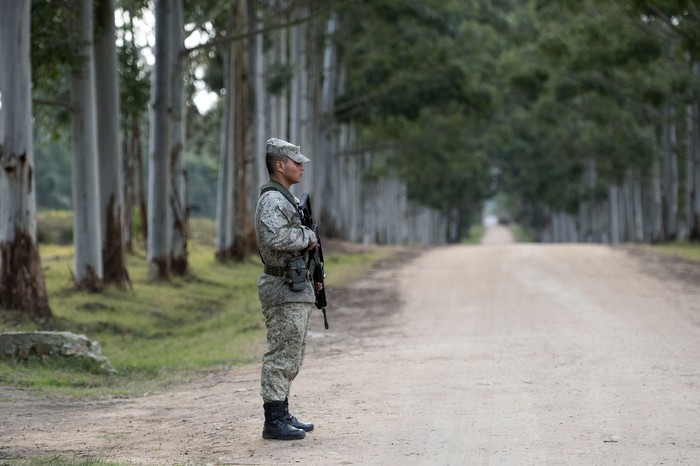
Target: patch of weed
[682,249]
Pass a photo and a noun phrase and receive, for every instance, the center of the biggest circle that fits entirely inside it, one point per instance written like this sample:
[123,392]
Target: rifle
[315,265]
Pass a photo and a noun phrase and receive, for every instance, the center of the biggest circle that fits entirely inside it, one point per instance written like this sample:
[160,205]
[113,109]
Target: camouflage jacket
[280,235]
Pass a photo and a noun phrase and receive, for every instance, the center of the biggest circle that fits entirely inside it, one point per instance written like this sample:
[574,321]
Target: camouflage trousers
[287,327]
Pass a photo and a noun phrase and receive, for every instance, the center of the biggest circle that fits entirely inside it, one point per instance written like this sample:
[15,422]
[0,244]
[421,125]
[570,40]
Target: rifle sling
[275,186]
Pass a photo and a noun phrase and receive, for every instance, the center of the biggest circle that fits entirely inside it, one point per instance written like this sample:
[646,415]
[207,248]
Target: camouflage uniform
[280,236]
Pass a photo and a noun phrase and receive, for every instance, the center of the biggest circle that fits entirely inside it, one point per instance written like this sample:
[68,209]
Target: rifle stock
[315,265]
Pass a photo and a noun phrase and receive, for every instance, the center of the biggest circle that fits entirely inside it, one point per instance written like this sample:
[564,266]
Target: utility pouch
[297,273]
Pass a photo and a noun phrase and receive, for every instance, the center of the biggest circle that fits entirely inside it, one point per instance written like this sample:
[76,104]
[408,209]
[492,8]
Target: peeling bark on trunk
[21,278]
[22,285]
[235,233]
[112,248]
[242,120]
[110,157]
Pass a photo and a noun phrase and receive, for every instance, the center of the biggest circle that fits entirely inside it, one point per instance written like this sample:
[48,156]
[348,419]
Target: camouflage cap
[279,147]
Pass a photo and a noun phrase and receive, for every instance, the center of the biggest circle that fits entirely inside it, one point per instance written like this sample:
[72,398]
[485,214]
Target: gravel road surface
[495,354]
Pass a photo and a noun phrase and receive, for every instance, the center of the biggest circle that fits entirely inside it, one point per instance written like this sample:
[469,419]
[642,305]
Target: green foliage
[202,161]
[476,232]
[401,56]
[422,85]
[440,161]
[683,250]
[134,75]
[583,89]
[522,234]
[52,161]
[460,99]
[53,47]
[279,77]
[54,55]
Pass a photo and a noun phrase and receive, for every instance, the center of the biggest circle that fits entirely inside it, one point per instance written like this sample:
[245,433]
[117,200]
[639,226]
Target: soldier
[286,294]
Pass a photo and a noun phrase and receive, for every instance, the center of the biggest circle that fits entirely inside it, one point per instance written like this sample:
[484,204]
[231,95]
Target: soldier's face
[292,171]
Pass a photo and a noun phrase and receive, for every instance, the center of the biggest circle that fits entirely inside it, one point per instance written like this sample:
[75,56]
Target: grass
[680,249]
[521,234]
[476,232]
[161,332]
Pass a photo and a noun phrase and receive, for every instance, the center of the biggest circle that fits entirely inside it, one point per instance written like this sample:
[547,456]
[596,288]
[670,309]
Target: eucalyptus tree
[420,84]
[134,91]
[233,187]
[639,75]
[677,23]
[87,232]
[21,276]
[109,149]
[65,60]
[592,81]
[178,195]
[159,173]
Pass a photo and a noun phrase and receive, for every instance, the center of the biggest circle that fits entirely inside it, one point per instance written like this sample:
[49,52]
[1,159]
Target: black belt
[275,270]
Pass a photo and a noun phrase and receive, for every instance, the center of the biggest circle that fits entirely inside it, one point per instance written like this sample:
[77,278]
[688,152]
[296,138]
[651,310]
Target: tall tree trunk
[110,156]
[670,164]
[454,229]
[21,277]
[178,203]
[637,203]
[244,234]
[129,172]
[614,201]
[260,101]
[226,193]
[159,184]
[300,114]
[693,167]
[134,194]
[326,149]
[276,104]
[655,206]
[257,171]
[313,121]
[87,234]
[225,210]
[592,212]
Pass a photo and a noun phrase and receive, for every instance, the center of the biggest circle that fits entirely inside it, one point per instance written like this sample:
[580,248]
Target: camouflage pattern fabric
[280,235]
[287,327]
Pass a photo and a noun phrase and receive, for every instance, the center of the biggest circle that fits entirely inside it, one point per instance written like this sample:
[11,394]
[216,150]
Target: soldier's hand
[312,246]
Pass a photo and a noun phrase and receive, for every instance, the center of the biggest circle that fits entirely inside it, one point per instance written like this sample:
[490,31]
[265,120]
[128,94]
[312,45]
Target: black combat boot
[294,422]
[276,426]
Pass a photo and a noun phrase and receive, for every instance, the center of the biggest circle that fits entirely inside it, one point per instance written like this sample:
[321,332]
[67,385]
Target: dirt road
[503,354]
